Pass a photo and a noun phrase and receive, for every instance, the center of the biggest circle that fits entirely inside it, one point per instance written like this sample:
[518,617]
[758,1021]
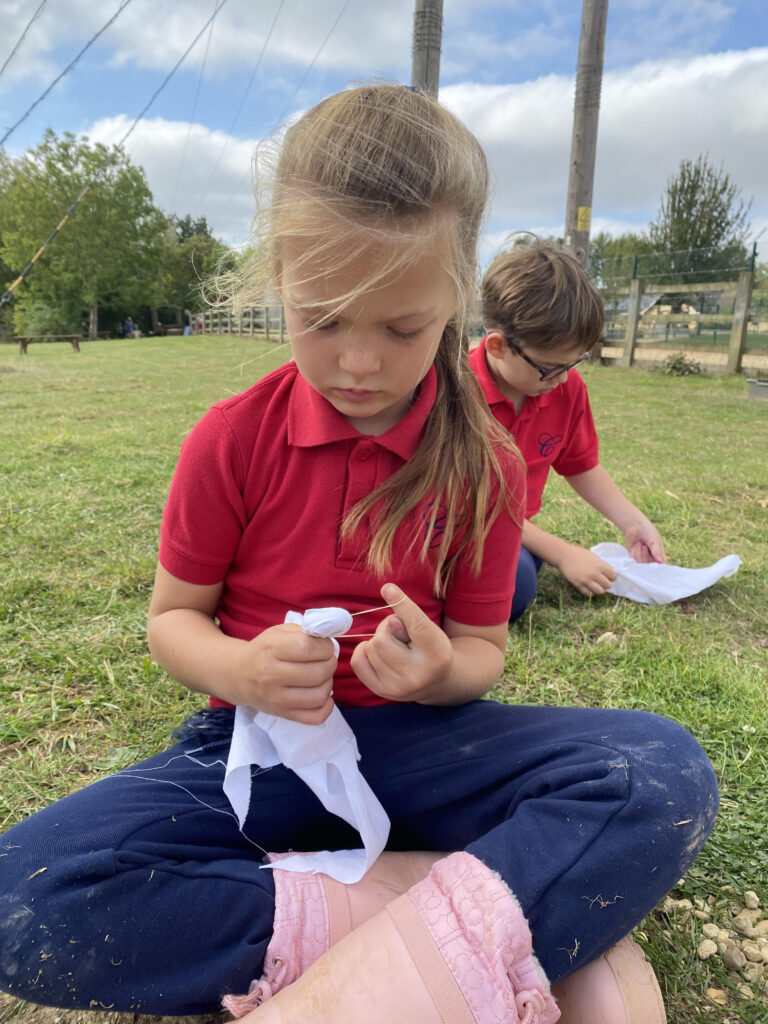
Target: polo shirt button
[364,453]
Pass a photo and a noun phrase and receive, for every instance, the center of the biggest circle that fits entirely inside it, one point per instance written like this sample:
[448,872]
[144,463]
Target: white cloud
[652,116]
[214,178]
[370,38]
[154,34]
[675,26]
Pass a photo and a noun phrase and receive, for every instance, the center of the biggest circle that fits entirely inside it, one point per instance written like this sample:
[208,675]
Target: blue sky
[681,77]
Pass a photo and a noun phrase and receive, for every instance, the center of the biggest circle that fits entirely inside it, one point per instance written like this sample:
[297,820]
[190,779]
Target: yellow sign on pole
[583,218]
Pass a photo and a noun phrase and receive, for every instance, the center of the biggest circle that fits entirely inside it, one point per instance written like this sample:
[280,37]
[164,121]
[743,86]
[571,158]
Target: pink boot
[455,949]
[617,988]
[313,912]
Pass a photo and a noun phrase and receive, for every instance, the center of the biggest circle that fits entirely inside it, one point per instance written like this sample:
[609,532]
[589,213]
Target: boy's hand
[408,655]
[288,674]
[644,543]
[588,573]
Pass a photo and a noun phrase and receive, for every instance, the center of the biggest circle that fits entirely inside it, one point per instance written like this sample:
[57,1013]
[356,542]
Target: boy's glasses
[553,371]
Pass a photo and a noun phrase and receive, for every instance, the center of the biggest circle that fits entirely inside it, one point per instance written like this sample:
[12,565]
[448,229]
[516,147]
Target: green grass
[89,446]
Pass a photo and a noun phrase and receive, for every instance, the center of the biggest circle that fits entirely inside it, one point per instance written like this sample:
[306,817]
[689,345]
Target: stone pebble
[733,928]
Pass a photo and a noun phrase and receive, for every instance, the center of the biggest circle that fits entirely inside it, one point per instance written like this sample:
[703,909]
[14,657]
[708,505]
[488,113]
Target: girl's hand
[288,674]
[585,571]
[644,543]
[408,656]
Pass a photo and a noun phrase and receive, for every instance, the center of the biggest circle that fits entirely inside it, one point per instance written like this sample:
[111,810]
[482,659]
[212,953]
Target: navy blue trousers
[140,893]
[526,582]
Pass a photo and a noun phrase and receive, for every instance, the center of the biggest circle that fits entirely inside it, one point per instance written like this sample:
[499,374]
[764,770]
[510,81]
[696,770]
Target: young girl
[365,471]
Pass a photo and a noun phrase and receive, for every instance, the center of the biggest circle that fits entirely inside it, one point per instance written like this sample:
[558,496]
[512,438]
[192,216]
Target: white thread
[381,607]
[202,764]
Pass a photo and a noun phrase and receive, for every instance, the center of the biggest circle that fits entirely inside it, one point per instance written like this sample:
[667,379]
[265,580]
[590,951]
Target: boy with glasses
[543,316]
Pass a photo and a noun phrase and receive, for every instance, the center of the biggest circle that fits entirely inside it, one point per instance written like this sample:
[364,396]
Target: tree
[6,274]
[109,252]
[191,258]
[185,227]
[612,261]
[704,221]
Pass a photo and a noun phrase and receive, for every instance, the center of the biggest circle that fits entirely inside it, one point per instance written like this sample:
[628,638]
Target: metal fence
[684,266]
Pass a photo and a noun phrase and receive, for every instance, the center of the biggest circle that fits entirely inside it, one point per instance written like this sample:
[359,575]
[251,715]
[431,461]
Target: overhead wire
[192,115]
[171,73]
[242,103]
[67,69]
[8,293]
[23,36]
[303,78]
[314,61]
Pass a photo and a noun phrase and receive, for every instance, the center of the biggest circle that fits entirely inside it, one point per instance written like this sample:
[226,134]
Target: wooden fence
[266,322]
[634,347]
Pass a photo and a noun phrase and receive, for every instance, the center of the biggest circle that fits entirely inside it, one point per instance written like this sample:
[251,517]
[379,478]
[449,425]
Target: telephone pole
[586,112]
[427,38]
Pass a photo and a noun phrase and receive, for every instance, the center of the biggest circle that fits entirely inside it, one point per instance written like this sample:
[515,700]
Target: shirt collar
[313,421]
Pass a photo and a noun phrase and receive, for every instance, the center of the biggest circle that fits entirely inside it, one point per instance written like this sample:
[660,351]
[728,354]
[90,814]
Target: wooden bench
[24,340]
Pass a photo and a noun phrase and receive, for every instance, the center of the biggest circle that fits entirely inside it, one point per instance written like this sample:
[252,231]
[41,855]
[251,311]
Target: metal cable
[22,37]
[296,90]
[192,116]
[241,104]
[67,69]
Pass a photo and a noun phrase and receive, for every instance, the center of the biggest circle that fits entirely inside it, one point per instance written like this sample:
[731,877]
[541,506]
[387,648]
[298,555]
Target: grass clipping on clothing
[92,442]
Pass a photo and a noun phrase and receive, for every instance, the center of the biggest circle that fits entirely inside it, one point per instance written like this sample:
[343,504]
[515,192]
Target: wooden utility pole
[427,39]
[586,113]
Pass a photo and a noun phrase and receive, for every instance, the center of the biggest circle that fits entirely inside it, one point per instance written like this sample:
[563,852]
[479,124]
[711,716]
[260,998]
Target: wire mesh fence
[684,266]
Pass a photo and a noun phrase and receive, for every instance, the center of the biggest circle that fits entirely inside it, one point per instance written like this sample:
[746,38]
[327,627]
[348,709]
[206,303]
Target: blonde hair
[369,167]
[542,296]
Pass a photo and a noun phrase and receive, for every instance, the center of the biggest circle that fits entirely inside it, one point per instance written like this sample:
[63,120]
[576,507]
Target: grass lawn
[89,446]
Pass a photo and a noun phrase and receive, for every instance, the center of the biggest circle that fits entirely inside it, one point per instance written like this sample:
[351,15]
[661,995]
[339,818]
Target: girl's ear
[496,344]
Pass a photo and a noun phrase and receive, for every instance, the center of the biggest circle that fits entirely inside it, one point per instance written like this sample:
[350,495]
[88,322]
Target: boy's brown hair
[541,296]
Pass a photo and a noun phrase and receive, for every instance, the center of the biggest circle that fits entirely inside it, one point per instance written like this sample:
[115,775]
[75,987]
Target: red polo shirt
[554,430]
[262,487]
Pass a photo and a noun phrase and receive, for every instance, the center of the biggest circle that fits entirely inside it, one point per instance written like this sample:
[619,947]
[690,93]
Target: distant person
[129,327]
[543,315]
[187,322]
[199,324]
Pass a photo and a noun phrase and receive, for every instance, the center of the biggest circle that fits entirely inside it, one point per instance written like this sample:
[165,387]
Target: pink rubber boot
[455,949]
[617,988]
[313,912]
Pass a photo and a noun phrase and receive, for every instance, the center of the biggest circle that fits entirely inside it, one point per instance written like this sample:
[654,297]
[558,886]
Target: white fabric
[325,756]
[656,583]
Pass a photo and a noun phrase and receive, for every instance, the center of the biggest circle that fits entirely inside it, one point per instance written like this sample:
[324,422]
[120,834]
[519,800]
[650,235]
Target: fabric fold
[324,756]
[657,583]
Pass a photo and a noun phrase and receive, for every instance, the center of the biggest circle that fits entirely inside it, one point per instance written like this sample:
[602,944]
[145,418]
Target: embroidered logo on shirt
[438,529]
[548,443]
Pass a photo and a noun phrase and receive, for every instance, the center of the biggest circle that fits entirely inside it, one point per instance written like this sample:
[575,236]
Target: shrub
[679,365]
